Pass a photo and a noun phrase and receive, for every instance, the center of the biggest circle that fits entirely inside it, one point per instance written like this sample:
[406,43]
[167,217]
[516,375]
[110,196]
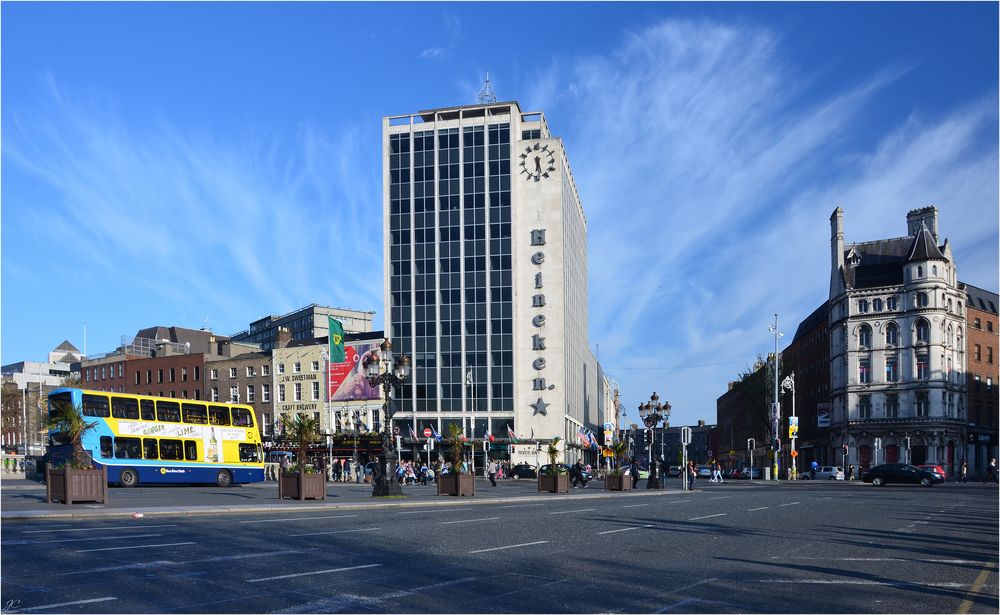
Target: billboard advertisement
[823,415]
[347,379]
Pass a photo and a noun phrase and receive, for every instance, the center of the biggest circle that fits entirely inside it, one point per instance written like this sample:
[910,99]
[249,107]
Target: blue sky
[177,163]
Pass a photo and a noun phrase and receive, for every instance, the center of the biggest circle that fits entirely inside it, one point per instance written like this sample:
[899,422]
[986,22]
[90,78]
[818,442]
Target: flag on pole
[511,435]
[593,440]
[489,436]
[582,436]
[435,434]
[337,354]
[413,434]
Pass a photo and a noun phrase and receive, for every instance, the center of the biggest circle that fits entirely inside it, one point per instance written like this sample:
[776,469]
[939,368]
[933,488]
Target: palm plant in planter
[555,479]
[457,481]
[77,480]
[615,480]
[301,481]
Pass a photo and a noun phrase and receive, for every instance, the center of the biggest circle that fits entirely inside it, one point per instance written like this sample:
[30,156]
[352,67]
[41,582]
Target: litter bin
[767,472]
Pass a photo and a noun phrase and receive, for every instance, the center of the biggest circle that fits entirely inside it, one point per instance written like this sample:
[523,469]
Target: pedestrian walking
[285,464]
[634,470]
[850,472]
[991,471]
[963,474]
[812,469]
[692,473]
[491,472]
[718,473]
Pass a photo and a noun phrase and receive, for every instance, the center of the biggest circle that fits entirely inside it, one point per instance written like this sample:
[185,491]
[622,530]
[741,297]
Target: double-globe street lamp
[650,413]
[390,373]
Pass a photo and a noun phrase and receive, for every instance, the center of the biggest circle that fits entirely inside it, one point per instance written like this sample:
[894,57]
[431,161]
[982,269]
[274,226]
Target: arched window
[921,299]
[923,331]
[951,336]
[865,336]
[891,334]
[920,271]
[934,270]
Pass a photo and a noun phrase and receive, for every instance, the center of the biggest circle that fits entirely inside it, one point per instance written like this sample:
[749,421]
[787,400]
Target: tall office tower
[486,275]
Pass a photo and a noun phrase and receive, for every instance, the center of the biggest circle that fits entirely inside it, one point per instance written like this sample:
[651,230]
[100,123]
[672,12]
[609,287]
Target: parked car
[523,470]
[901,473]
[643,472]
[704,472]
[752,473]
[565,469]
[824,473]
[674,471]
[734,474]
[934,468]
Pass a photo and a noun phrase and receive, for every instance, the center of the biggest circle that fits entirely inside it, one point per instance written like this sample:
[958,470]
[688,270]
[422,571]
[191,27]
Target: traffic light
[649,436]
[776,444]
[845,449]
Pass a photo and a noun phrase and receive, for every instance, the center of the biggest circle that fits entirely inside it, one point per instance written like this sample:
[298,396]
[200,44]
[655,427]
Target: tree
[618,450]
[756,388]
[553,453]
[68,420]
[10,415]
[302,429]
[455,447]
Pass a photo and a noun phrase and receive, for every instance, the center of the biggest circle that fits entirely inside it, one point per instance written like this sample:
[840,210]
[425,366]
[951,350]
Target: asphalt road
[803,548]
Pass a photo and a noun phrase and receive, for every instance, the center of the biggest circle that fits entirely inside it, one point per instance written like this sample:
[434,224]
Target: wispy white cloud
[226,226]
[433,53]
[729,166]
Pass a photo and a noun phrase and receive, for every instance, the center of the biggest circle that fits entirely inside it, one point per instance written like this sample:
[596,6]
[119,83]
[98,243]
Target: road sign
[427,432]
[685,435]
[794,454]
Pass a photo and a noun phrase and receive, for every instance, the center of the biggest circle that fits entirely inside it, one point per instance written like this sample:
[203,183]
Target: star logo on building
[539,407]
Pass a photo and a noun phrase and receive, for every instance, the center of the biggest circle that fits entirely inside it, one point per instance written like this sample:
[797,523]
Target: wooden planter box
[618,483]
[456,484]
[554,484]
[68,485]
[302,486]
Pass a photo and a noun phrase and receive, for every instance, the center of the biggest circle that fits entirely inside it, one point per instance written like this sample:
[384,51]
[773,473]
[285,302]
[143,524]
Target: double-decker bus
[155,440]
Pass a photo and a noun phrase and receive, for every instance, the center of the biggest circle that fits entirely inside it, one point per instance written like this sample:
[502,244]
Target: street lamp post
[388,373]
[789,385]
[650,413]
[775,410]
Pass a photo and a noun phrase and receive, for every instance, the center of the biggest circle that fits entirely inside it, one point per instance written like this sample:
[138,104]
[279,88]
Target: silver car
[825,473]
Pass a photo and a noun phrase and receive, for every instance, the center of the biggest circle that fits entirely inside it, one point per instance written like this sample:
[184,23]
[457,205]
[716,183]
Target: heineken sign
[538,324]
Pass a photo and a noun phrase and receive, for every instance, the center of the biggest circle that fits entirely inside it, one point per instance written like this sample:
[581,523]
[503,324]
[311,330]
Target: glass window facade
[450,266]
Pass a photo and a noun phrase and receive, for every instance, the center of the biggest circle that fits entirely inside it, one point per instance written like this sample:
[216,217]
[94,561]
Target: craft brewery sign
[538,324]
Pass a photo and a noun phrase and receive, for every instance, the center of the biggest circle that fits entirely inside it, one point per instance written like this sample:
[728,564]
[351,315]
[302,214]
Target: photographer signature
[10,605]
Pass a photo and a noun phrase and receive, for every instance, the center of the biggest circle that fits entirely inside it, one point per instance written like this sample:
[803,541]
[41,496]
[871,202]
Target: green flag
[336,341]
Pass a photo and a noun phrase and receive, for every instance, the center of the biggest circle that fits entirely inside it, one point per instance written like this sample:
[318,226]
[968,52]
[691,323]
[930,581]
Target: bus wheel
[224,478]
[128,478]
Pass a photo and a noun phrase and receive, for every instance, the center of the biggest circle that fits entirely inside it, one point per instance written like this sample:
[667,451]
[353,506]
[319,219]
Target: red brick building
[983,327]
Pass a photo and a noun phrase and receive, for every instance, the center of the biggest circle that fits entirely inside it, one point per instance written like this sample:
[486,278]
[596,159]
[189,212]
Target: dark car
[901,473]
[565,469]
[523,470]
[934,468]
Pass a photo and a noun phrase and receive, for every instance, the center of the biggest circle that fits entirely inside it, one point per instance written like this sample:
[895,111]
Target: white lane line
[365,529]
[790,504]
[524,544]
[469,520]
[312,572]
[883,559]
[861,582]
[168,544]
[99,529]
[299,519]
[54,606]
[566,512]
[624,529]
[721,498]
[520,505]
[161,563]
[761,508]
[38,542]
[677,501]
[635,505]
[707,517]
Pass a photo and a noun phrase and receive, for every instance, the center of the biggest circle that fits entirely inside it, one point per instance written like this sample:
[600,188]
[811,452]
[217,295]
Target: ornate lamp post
[389,373]
[788,384]
[650,413]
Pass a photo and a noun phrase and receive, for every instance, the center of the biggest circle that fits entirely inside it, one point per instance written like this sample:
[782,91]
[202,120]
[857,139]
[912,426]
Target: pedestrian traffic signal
[845,449]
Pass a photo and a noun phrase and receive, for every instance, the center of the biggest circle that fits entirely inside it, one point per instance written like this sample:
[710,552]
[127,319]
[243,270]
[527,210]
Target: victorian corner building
[898,334]
[486,277]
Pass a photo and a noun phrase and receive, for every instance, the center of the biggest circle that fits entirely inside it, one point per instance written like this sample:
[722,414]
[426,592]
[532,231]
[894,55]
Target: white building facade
[486,276]
[897,347]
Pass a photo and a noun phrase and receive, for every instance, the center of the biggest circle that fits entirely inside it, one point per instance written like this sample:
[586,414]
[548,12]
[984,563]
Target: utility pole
[775,409]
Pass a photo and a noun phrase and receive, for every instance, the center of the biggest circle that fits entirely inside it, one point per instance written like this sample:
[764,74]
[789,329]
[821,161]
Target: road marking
[159,563]
[624,529]
[99,529]
[525,544]
[312,572]
[38,542]
[53,606]
[566,512]
[635,505]
[860,582]
[976,586]
[761,508]
[520,505]
[883,559]
[167,544]
[365,529]
[721,498]
[790,504]
[469,520]
[299,519]
[707,517]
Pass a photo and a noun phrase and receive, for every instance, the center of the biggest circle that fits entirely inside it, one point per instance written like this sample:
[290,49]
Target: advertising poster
[823,415]
[347,380]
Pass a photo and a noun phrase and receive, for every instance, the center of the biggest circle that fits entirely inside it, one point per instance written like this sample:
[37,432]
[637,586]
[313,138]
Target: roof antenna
[486,94]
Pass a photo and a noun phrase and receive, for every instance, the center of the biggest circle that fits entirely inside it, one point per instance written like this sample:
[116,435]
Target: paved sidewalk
[123,503]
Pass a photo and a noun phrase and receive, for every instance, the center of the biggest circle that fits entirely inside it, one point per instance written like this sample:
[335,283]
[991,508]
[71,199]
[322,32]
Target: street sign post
[685,440]
[427,432]
[750,446]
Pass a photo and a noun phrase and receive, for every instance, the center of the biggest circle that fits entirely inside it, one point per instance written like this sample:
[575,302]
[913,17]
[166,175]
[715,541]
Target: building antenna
[486,94]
